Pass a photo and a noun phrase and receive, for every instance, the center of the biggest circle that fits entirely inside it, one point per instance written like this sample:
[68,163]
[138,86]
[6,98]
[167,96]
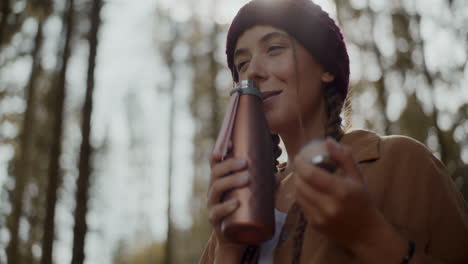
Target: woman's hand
[225,175]
[338,204]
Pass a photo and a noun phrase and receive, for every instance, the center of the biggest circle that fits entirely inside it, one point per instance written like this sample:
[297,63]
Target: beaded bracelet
[409,255]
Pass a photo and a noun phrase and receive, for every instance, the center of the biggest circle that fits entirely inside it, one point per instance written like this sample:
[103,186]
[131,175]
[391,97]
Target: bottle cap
[247,84]
[247,87]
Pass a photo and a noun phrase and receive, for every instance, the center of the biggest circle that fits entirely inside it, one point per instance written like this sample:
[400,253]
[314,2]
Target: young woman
[390,201]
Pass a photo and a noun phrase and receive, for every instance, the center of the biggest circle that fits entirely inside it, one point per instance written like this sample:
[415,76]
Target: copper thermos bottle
[246,127]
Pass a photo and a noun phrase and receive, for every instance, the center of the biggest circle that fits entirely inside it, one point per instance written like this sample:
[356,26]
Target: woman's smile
[267,96]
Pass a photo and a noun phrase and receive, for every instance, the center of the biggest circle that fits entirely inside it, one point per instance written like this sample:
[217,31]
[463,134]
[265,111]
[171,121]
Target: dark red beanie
[303,20]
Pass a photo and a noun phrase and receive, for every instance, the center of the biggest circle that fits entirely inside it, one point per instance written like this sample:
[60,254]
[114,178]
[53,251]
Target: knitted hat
[303,20]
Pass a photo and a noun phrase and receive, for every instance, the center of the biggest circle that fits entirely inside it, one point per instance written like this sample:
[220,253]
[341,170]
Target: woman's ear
[327,77]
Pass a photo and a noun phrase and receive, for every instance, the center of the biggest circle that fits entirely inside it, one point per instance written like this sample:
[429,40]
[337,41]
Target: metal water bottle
[246,126]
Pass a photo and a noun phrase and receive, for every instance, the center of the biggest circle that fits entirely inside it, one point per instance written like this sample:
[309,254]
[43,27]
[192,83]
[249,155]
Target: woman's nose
[256,70]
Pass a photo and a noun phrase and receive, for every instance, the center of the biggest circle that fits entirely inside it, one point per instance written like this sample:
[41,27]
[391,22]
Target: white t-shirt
[267,248]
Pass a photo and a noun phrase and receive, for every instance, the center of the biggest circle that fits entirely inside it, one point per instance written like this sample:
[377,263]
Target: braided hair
[333,129]
[334,101]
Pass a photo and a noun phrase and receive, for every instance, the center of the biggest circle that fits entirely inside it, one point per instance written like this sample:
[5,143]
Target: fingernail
[240,162]
[232,202]
[243,178]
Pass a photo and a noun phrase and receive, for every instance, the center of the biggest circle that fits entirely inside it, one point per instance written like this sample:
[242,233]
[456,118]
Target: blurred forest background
[109,110]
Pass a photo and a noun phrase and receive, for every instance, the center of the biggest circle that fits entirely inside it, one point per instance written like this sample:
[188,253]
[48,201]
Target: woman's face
[265,54]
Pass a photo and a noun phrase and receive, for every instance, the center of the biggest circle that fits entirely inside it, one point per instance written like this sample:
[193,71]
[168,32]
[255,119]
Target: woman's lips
[269,94]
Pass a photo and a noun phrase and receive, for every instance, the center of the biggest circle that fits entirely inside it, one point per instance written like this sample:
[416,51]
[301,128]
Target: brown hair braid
[276,150]
[333,128]
[333,106]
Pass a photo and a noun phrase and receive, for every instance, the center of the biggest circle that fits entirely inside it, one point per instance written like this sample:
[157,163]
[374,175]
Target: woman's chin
[280,123]
[276,125]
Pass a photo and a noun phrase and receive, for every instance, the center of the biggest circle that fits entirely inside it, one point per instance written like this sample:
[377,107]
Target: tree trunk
[80,228]
[22,167]
[213,92]
[205,89]
[168,254]
[56,146]
[6,9]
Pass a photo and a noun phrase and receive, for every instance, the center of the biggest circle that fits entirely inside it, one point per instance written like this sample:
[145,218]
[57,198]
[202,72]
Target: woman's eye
[274,48]
[241,65]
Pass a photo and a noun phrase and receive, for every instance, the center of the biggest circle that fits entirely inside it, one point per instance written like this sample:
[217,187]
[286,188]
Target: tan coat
[412,190]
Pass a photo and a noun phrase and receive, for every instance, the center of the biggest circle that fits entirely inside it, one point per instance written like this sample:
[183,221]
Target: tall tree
[5,13]
[56,147]
[80,229]
[22,167]
[172,66]
[207,66]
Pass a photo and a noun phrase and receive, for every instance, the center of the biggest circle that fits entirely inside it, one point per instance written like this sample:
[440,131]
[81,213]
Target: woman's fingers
[222,185]
[225,176]
[216,157]
[315,190]
[342,155]
[307,194]
[221,210]
[226,167]
[314,176]
[318,206]
[217,209]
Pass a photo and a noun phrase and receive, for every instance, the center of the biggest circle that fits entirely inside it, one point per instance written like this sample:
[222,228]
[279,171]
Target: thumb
[215,158]
[343,156]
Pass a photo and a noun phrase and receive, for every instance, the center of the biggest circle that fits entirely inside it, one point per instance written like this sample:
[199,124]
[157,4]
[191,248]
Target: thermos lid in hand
[316,153]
